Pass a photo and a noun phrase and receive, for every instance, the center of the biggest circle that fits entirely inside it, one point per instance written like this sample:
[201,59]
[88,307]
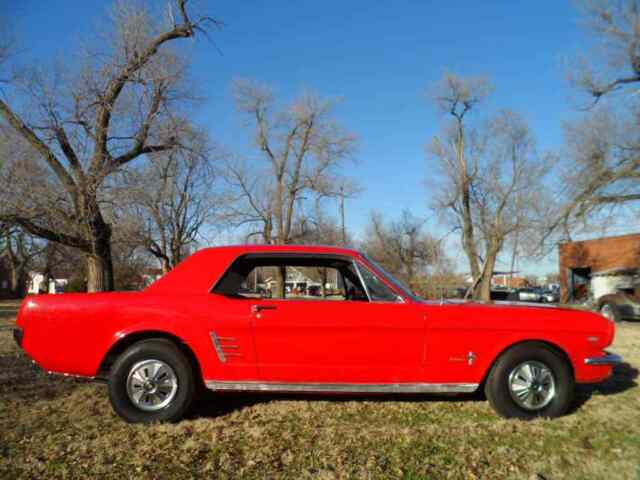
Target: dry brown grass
[53,427]
[8,310]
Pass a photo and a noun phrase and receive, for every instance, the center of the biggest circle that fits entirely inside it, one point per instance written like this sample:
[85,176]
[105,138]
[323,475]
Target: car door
[227,332]
[338,341]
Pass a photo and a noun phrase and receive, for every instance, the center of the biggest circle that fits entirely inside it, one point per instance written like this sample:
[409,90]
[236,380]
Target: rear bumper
[607,359]
[18,334]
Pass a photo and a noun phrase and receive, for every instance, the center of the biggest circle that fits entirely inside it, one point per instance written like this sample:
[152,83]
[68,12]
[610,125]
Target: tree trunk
[100,266]
[484,287]
[513,259]
[267,232]
[176,253]
[165,265]
[95,273]
[21,287]
[14,281]
[281,276]
[468,237]
[323,279]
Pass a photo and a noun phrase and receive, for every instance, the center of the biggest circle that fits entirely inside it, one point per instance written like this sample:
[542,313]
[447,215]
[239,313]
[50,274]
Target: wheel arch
[554,347]
[134,337]
[613,298]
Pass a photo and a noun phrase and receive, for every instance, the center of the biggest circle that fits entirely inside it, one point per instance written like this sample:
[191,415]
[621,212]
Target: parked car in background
[529,294]
[500,294]
[550,296]
[201,326]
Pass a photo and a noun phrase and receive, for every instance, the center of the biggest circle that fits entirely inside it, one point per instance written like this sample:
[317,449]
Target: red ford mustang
[309,319]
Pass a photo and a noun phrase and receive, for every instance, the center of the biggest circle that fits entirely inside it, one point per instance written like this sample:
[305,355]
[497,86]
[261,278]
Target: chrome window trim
[399,298]
[396,285]
[364,285]
[253,386]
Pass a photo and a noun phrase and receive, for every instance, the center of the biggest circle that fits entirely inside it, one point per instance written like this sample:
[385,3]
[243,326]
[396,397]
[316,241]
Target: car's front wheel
[152,381]
[530,380]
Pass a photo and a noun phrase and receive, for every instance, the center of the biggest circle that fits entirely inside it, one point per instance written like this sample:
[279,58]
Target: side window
[290,277]
[256,283]
[378,291]
[300,282]
[314,283]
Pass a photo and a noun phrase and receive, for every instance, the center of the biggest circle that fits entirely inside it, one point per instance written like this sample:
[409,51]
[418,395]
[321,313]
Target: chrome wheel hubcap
[607,312]
[532,385]
[151,385]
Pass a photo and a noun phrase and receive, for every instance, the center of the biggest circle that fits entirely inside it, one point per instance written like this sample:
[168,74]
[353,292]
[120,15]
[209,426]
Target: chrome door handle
[259,308]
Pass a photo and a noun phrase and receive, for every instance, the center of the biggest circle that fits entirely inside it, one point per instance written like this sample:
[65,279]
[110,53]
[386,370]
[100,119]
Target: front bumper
[18,334]
[608,359]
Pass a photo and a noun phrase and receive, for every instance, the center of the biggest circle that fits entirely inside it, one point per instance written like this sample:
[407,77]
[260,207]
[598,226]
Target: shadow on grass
[214,404]
[20,379]
[623,378]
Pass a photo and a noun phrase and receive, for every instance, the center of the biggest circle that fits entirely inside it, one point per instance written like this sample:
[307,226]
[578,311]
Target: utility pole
[343,228]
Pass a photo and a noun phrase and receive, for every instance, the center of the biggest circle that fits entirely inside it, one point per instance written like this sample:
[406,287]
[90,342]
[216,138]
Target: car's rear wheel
[611,311]
[151,381]
[530,380]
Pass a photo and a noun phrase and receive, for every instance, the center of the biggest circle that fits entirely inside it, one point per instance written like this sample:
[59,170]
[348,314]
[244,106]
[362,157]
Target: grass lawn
[8,310]
[54,427]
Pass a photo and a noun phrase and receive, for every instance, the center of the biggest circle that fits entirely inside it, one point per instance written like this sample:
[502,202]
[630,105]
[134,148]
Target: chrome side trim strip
[608,359]
[249,386]
[216,344]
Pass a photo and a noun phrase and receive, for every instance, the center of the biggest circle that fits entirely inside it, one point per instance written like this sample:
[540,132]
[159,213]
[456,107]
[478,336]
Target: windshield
[391,279]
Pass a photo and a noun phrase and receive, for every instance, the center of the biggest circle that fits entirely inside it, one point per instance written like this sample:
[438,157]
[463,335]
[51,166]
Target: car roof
[252,248]
[199,272]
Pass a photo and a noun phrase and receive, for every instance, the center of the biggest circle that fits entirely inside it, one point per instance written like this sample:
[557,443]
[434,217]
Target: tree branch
[25,132]
[115,86]
[47,233]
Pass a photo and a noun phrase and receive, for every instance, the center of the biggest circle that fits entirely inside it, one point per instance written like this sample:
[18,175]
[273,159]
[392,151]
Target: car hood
[502,303]
[517,316]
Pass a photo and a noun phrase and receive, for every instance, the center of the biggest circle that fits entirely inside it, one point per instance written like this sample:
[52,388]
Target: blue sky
[379,57]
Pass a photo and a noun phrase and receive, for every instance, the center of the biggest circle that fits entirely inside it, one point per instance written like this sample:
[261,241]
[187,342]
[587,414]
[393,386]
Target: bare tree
[602,167]
[320,229]
[402,246]
[615,66]
[19,250]
[303,148]
[166,204]
[78,129]
[602,148]
[490,186]
[457,97]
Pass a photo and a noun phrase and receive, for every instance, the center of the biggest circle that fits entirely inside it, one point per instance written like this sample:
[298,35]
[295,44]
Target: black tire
[614,310]
[498,391]
[147,350]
